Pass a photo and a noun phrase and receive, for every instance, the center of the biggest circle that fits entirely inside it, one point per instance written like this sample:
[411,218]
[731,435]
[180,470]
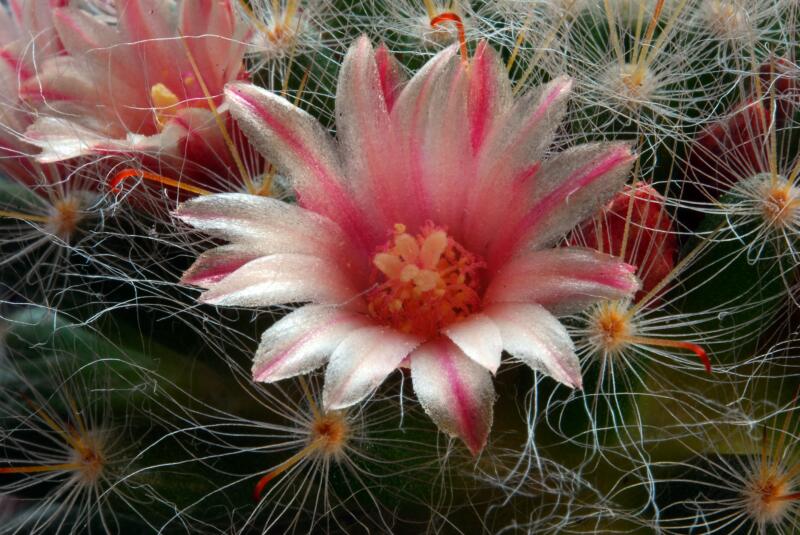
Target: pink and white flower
[423,234]
[25,26]
[150,84]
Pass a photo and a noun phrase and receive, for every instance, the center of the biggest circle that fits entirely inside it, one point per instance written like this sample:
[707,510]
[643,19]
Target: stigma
[424,282]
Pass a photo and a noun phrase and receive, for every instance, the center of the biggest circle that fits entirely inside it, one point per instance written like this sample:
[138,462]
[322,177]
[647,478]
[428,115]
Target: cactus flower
[636,226]
[24,27]
[149,85]
[423,236]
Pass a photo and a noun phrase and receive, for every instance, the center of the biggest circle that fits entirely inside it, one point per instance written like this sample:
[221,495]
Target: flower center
[166,103]
[425,282]
[612,330]
[634,84]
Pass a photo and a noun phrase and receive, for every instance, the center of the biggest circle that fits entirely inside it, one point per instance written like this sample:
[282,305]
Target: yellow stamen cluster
[428,282]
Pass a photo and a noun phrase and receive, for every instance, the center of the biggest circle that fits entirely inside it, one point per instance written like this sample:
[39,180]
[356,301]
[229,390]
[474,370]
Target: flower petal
[510,157]
[298,145]
[446,153]
[564,280]
[61,139]
[409,119]
[61,78]
[390,74]
[533,335]
[211,32]
[489,93]
[82,33]
[362,129]
[456,392]
[267,225]
[479,338]
[527,129]
[302,341]
[361,363]
[82,76]
[30,23]
[149,26]
[215,264]
[569,188]
[279,279]
[141,20]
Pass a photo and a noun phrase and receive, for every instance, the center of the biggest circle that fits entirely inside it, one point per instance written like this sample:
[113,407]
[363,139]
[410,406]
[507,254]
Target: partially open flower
[424,236]
[24,27]
[636,227]
[737,146]
[151,86]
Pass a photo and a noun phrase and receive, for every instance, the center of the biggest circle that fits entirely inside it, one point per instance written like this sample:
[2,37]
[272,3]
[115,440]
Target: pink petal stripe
[17,66]
[565,279]
[370,157]
[409,115]
[555,91]
[265,225]
[390,74]
[215,264]
[533,335]
[142,20]
[519,140]
[196,19]
[146,23]
[16,7]
[524,178]
[81,32]
[513,147]
[279,279]
[330,198]
[215,37]
[480,94]
[455,392]
[489,93]
[302,341]
[618,157]
[361,362]
[94,47]
[446,150]
[479,339]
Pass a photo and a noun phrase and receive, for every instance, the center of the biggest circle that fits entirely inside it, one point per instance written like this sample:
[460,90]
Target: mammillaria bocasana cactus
[328,266]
